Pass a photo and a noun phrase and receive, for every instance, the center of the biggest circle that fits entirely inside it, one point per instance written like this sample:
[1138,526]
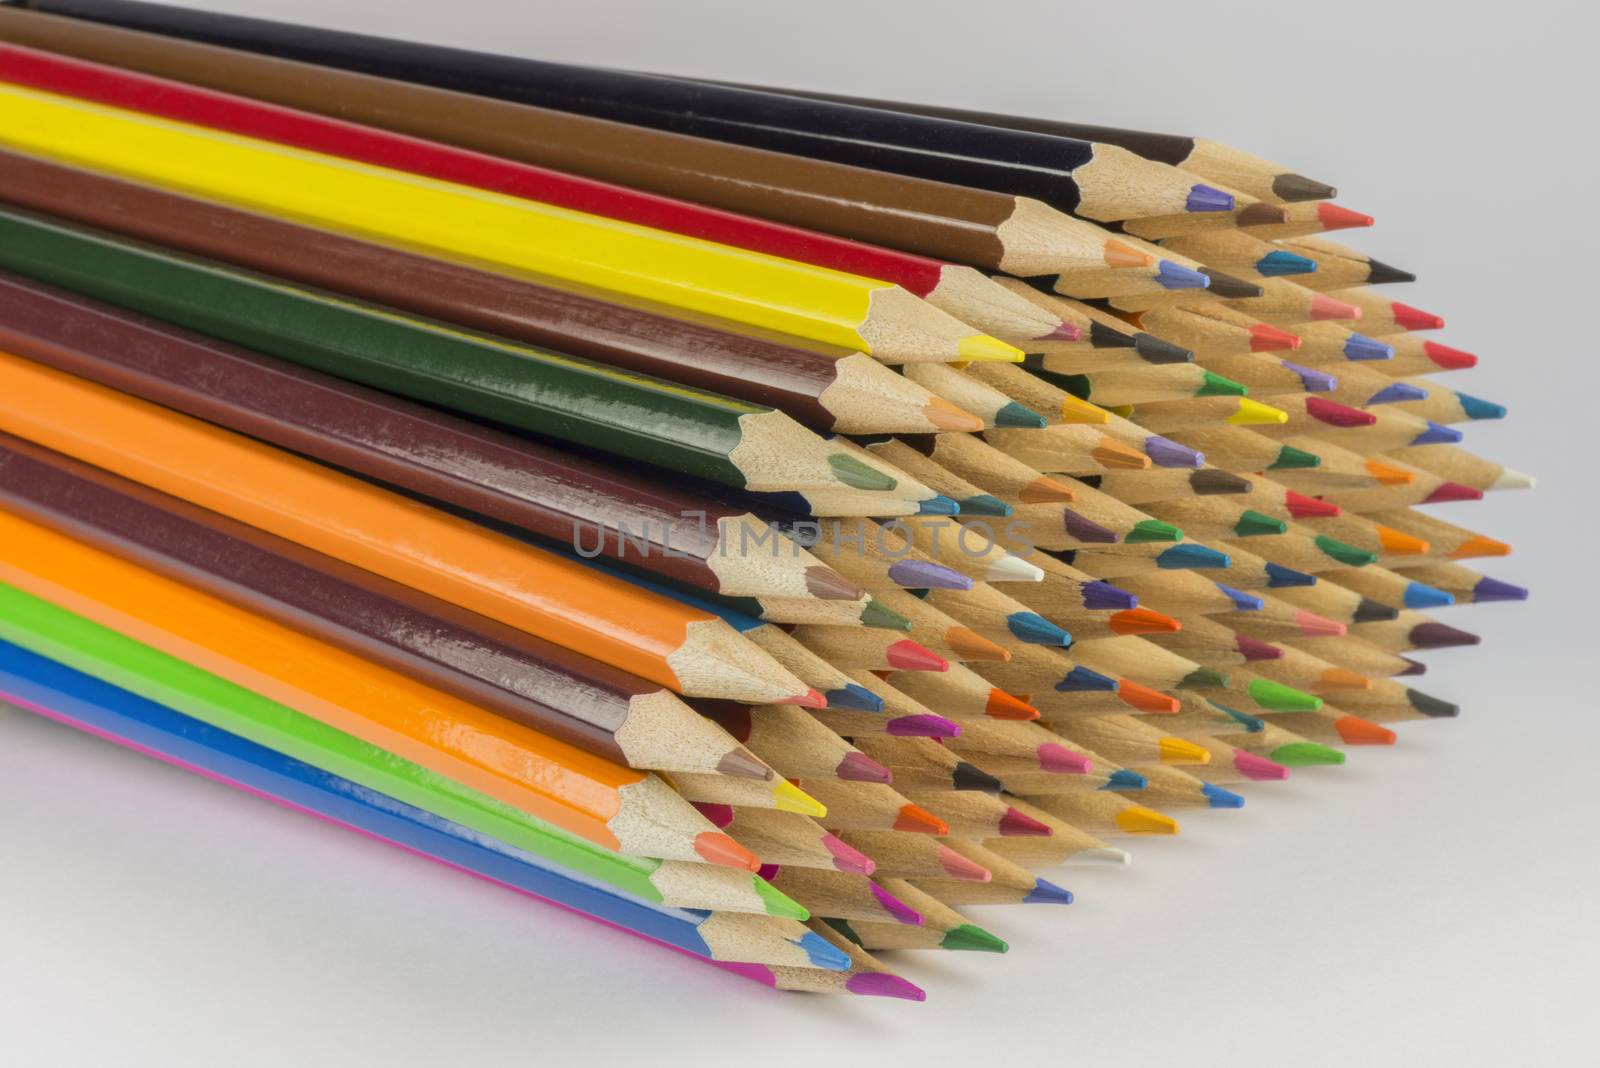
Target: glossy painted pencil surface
[80,701]
[535,590]
[505,233]
[1061,171]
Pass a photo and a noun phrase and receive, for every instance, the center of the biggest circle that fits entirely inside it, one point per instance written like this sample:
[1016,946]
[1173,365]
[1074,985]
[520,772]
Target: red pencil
[960,290]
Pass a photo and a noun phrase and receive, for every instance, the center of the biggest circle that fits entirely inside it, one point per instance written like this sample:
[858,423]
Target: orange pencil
[615,622]
[616,807]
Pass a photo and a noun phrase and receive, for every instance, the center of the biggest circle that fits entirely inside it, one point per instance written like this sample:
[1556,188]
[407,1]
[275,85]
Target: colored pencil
[1308,552]
[971,394]
[1420,356]
[825,387]
[1303,220]
[853,648]
[1094,518]
[1243,254]
[1188,595]
[1340,266]
[1119,561]
[1027,745]
[1292,750]
[924,764]
[970,500]
[1105,340]
[1214,330]
[1444,539]
[1412,629]
[46,630]
[896,725]
[1065,448]
[1162,452]
[504,233]
[1117,386]
[615,807]
[1229,765]
[1056,405]
[1106,812]
[1387,701]
[1301,670]
[991,463]
[1209,159]
[1445,405]
[999,617]
[1130,740]
[916,856]
[1092,180]
[1237,448]
[1175,788]
[596,509]
[961,290]
[1140,660]
[786,838]
[803,747]
[867,806]
[1010,883]
[961,694]
[974,814]
[1462,467]
[841,895]
[942,927]
[866,976]
[1341,468]
[1011,234]
[1358,430]
[1381,316]
[1188,413]
[1464,584]
[599,709]
[115,715]
[1330,347]
[537,591]
[1065,845]
[1332,599]
[714,437]
[1355,653]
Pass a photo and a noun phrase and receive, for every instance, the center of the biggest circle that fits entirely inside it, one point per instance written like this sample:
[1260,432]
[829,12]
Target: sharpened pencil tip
[1058,759]
[826,584]
[1276,697]
[1136,819]
[1143,621]
[938,505]
[1164,452]
[1338,415]
[1451,492]
[1492,589]
[1064,332]
[1370,611]
[740,763]
[1045,892]
[1204,198]
[927,575]
[787,797]
[1217,797]
[1281,262]
[716,848]
[1191,557]
[970,645]
[1120,256]
[1408,318]
[1171,275]
[1302,507]
[1155,350]
[1430,706]
[1267,338]
[1447,358]
[1084,680]
[1101,855]
[1261,213]
[1101,596]
[1002,705]
[1478,545]
[1360,347]
[925,725]
[1294,188]
[1290,458]
[1280,577]
[1326,307]
[1034,629]
[1437,434]
[1013,568]
[1182,751]
[1433,635]
[973,938]
[809,699]
[1335,217]
[948,418]
[985,504]
[1422,596]
[1343,552]
[1357,731]
[1016,824]
[1214,385]
[1126,779]
[1227,287]
[1254,649]
[1312,380]
[959,867]
[857,475]
[878,617]
[1045,490]
[1254,413]
[1315,626]
[1476,408]
[847,858]
[854,697]
[778,903]
[1389,474]
[907,655]
[1413,667]
[1012,414]
[858,767]
[903,914]
[982,347]
[1307,754]
[1146,531]
[884,985]
[1380,273]
[1398,393]
[1254,524]
[822,953]
[1242,601]
[914,819]
[1258,768]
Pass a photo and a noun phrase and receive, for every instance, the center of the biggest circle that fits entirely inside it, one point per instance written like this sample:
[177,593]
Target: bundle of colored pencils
[767,522]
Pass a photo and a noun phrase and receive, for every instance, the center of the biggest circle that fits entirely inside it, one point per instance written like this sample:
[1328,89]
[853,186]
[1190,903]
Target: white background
[1432,904]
